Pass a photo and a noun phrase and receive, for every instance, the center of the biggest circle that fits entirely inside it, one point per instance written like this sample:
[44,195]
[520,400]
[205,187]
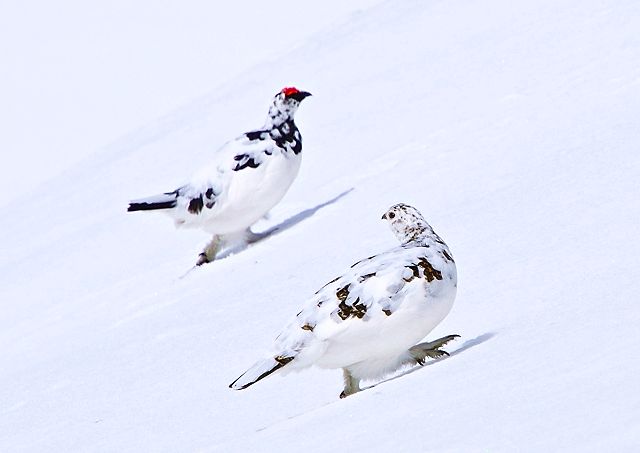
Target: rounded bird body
[367,320]
[241,198]
[246,178]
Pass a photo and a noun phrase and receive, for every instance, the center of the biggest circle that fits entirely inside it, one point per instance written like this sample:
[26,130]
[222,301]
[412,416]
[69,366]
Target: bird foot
[202,259]
[209,252]
[351,384]
[430,349]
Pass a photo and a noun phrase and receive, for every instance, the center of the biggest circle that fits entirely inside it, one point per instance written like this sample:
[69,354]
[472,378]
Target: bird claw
[420,356]
[202,259]
[431,349]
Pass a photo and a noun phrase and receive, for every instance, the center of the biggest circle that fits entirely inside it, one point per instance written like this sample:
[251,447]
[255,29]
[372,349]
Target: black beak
[299,96]
[384,216]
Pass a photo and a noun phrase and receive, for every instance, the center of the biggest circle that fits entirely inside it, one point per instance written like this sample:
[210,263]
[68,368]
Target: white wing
[361,299]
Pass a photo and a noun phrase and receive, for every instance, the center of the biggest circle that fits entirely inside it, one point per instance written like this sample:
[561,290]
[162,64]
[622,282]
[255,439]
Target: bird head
[285,104]
[406,222]
[293,94]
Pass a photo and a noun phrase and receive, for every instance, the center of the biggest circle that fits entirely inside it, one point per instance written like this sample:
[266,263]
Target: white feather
[244,179]
[366,320]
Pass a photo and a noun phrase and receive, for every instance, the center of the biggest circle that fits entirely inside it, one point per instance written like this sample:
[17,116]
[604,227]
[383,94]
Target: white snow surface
[512,126]
[76,74]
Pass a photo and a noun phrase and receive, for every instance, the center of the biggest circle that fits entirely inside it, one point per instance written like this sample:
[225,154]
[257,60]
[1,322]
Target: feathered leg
[430,349]
[351,384]
[209,253]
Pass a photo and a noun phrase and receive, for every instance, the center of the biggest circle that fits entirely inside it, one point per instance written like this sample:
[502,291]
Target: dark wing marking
[255,135]
[248,160]
[245,161]
[447,256]
[424,267]
[328,283]
[365,259]
[195,205]
[353,299]
[356,309]
[348,310]
[210,197]
[197,202]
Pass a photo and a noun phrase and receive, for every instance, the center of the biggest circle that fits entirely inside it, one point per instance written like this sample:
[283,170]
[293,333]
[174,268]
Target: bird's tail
[259,370]
[164,201]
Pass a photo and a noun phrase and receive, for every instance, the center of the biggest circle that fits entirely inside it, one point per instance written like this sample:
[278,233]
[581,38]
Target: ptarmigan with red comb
[246,178]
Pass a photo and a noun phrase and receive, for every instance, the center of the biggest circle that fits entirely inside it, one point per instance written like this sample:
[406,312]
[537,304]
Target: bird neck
[421,235]
[279,114]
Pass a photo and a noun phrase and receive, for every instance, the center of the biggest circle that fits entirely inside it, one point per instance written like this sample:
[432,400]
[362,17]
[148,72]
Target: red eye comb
[288,91]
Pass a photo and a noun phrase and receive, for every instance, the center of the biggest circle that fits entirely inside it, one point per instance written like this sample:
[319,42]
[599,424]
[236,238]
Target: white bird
[369,320]
[246,178]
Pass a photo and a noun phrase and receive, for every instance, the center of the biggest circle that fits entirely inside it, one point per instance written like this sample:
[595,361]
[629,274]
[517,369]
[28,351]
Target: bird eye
[391,215]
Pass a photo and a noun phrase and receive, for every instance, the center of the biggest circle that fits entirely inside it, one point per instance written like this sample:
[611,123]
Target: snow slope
[512,127]
[76,74]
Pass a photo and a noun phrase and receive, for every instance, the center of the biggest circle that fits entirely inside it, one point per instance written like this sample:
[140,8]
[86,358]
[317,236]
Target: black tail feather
[151,206]
[166,200]
[258,371]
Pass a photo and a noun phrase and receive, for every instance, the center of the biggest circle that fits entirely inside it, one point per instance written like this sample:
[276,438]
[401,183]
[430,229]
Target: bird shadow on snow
[467,345]
[282,226]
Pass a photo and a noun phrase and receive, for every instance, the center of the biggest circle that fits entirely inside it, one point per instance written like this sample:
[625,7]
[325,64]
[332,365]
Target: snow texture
[512,126]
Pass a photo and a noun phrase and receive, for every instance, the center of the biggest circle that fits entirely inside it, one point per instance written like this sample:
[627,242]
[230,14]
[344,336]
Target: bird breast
[251,193]
[383,335]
